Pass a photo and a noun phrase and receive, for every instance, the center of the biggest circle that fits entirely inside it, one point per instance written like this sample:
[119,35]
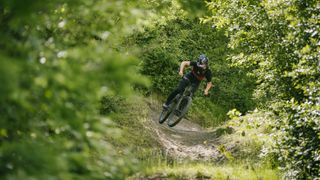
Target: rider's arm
[182,66]
[209,83]
[208,87]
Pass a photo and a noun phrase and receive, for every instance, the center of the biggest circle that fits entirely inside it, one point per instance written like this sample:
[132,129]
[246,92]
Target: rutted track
[186,140]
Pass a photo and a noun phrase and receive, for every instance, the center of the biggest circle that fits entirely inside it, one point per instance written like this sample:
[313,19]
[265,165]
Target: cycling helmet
[202,60]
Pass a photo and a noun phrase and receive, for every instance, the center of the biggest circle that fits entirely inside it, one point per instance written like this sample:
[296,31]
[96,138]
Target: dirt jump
[186,140]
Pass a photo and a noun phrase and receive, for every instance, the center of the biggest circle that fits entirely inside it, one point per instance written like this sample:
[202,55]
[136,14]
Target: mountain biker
[200,70]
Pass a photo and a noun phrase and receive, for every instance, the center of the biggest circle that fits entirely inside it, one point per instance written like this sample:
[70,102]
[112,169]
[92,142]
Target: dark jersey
[199,73]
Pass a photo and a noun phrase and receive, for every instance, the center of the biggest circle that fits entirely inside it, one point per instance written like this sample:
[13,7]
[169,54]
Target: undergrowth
[130,117]
[241,142]
[242,170]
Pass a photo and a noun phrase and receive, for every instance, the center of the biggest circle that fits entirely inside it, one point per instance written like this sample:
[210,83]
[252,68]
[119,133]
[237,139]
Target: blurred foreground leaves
[57,59]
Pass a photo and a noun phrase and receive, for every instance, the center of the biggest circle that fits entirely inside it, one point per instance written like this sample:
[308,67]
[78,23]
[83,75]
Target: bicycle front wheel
[180,111]
[164,115]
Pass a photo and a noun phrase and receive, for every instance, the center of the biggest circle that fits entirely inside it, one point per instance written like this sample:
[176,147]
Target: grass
[247,134]
[129,116]
[206,113]
[202,170]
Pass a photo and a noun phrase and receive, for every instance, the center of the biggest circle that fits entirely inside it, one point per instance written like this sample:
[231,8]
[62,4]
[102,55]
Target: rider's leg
[182,85]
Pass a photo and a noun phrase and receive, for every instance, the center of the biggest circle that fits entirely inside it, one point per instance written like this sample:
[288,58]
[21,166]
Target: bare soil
[187,140]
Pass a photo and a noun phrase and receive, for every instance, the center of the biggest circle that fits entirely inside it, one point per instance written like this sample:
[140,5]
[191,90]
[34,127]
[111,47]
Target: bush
[111,104]
[277,43]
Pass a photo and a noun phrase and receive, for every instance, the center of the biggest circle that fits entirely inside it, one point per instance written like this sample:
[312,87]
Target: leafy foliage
[56,62]
[111,104]
[278,43]
[58,59]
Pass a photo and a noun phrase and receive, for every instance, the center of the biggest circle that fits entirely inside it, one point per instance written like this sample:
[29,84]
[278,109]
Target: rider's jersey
[197,73]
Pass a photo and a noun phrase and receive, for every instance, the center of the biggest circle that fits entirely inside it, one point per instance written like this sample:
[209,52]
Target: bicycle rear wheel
[165,114]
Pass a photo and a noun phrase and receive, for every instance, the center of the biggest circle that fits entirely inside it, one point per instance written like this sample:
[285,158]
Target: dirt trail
[186,140]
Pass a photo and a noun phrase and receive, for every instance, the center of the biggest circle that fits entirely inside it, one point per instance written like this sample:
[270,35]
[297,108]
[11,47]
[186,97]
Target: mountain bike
[178,108]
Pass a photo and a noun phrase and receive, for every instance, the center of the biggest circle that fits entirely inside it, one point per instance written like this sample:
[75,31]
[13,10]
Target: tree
[277,42]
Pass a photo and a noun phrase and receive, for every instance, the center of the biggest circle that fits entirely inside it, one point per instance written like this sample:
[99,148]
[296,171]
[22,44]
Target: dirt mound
[186,140]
